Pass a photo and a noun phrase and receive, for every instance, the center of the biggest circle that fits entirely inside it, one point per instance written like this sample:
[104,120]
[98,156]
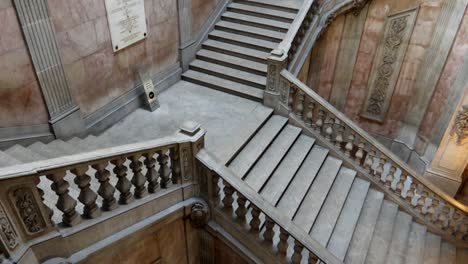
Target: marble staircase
[341,211]
[234,58]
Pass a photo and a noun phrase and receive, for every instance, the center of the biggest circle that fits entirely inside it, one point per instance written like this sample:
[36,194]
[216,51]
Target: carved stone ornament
[199,215]
[358,5]
[7,232]
[461,125]
[28,210]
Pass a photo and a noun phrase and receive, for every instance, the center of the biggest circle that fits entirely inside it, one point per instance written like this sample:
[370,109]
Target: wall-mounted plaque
[127,22]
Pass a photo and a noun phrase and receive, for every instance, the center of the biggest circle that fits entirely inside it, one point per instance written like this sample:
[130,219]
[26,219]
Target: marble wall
[21,101]
[201,11]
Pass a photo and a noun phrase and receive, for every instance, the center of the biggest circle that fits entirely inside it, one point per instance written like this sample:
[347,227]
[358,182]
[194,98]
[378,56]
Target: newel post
[277,61]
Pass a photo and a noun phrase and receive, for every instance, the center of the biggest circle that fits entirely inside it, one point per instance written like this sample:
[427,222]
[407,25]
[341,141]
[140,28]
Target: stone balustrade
[440,212]
[240,205]
[45,197]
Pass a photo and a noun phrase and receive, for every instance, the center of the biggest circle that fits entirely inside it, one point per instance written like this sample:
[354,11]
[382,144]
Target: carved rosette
[199,215]
[28,209]
[460,127]
[7,232]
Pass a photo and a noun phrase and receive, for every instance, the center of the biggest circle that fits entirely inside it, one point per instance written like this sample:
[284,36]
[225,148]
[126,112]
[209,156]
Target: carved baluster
[415,199]
[395,181]
[255,221]
[339,134]
[50,212]
[299,109]
[164,170]
[283,243]
[320,119]
[360,152]
[438,211]
[151,173]
[138,179]
[106,190]
[269,233]
[175,162]
[241,210]
[391,174]
[87,196]
[291,96]
[297,255]
[312,258]
[329,127]
[349,145]
[379,171]
[309,113]
[65,202]
[426,206]
[123,184]
[369,161]
[228,200]
[215,181]
[406,187]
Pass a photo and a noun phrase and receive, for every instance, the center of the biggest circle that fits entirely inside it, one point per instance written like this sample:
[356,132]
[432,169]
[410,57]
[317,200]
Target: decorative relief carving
[357,7]
[186,163]
[271,77]
[199,215]
[460,127]
[7,232]
[28,209]
[387,64]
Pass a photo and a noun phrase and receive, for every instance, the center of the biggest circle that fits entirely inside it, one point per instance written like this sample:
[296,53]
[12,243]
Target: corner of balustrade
[277,61]
[23,215]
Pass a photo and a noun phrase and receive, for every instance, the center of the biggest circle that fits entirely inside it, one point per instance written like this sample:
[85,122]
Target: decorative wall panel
[387,63]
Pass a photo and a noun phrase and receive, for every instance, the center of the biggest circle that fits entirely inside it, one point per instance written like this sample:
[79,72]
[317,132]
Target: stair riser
[262,15]
[237,54]
[234,66]
[248,34]
[271,6]
[227,77]
[253,24]
[240,43]
[219,88]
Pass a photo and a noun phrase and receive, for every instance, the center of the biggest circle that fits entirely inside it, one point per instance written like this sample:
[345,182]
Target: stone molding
[24,135]
[460,127]
[387,63]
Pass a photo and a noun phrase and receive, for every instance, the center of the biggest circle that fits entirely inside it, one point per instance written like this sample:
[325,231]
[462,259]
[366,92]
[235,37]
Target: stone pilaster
[38,30]
[185,32]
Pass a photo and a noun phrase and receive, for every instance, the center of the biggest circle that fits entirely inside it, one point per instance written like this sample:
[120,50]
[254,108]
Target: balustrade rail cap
[39,167]
[190,127]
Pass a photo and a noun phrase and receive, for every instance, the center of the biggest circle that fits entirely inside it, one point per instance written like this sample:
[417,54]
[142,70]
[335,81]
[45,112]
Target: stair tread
[291,4]
[251,41]
[257,20]
[415,249]
[278,36]
[348,219]
[233,60]
[297,189]
[43,150]
[267,163]
[334,202]
[75,141]
[23,154]
[257,145]
[432,249]
[382,233]
[7,160]
[398,245]
[315,197]
[63,148]
[259,55]
[262,10]
[234,87]
[222,70]
[364,230]
[448,253]
[288,168]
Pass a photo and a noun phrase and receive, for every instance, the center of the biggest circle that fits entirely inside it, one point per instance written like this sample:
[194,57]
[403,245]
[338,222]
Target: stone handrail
[423,199]
[276,231]
[26,190]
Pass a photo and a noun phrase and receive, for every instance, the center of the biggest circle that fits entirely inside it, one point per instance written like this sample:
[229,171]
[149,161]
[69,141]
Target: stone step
[233,62]
[234,75]
[43,150]
[63,148]
[432,249]
[324,224]
[244,41]
[91,143]
[238,51]
[7,160]
[256,21]
[291,6]
[362,236]
[263,12]
[23,154]
[250,31]
[257,146]
[401,230]
[297,189]
[286,171]
[224,85]
[416,240]
[382,233]
[315,197]
[268,162]
[75,141]
[347,221]
[448,253]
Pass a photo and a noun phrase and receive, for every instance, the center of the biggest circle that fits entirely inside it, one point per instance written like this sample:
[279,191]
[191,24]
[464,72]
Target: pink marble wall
[21,102]
[96,74]
[201,11]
